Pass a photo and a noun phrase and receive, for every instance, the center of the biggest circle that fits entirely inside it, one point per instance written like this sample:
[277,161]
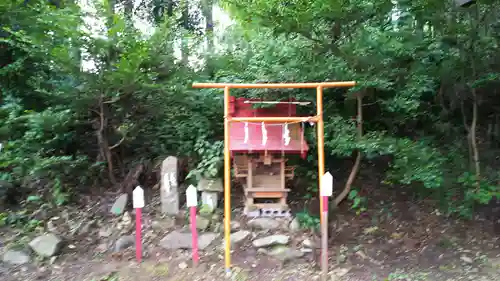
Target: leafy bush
[211,159]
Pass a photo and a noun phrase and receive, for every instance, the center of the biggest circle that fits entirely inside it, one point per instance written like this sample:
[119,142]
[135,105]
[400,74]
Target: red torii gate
[318,118]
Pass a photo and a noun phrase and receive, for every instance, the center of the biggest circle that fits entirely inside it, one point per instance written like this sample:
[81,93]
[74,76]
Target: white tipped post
[138,203]
[326,190]
[192,203]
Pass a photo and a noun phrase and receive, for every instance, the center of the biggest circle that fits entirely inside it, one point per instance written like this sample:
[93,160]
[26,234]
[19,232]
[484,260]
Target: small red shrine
[259,152]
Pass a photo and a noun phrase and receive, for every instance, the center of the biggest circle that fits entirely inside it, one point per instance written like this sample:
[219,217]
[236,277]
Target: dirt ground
[396,241]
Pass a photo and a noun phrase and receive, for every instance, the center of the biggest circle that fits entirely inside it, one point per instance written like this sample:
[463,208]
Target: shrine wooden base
[264,183]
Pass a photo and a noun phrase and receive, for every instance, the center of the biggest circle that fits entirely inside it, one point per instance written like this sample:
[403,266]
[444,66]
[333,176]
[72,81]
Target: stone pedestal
[210,189]
[210,199]
[169,186]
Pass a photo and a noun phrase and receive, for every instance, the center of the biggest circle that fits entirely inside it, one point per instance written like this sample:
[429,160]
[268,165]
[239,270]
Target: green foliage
[415,70]
[34,149]
[308,221]
[3,219]
[479,189]
[413,161]
[211,157]
[358,202]
[476,190]
[418,73]
[51,107]
[417,162]
[19,219]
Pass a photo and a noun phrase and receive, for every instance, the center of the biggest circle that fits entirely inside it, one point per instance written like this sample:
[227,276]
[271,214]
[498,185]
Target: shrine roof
[275,143]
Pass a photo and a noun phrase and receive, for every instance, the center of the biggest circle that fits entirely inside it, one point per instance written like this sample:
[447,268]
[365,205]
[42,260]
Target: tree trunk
[357,162]
[129,12]
[102,139]
[111,12]
[184,38]
[207,6]
[475,101]
[473,138]
[469,137]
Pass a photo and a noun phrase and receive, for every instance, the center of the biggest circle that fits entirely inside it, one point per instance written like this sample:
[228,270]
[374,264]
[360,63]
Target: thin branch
[111,101]
[117,144]
[96,112]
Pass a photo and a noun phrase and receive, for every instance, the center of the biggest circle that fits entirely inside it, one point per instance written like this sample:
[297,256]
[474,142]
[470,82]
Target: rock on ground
[271,240]
[466,259]
[182,240]
[294,225]
[309,243]
[124,242]
[105,232]
[238,237]
[202,223]
[46,245]
[16,257]
[120,204]
[183,265]
[163,224]
[339,272]
[264,223]
[235,226]
[284,253]
[86,228]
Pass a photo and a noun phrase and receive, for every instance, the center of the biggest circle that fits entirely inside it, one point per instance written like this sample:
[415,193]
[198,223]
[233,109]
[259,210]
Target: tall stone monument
[169,190]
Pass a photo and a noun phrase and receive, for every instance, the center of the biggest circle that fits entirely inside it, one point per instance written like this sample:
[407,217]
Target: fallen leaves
[370,230]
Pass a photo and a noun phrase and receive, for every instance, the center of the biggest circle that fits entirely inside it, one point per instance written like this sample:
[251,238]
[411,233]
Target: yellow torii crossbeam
[318,118]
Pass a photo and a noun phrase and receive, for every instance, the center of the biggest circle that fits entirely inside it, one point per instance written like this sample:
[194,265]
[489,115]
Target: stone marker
[46,245]
[169,186]
[120,204]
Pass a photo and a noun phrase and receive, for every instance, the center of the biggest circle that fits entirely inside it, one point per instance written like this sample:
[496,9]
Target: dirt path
[149,270]
[423,265]
[403,242]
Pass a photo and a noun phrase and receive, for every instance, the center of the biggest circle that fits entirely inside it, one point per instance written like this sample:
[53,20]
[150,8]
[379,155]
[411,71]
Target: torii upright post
[228,119]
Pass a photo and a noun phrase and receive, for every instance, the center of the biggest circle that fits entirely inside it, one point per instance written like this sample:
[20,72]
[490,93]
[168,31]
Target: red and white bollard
[192,203]
[138,203]
[326,190]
